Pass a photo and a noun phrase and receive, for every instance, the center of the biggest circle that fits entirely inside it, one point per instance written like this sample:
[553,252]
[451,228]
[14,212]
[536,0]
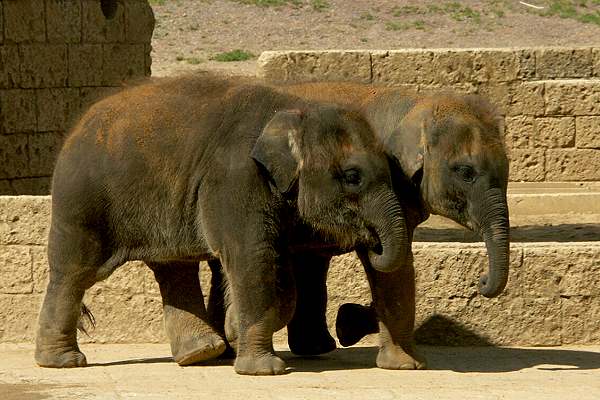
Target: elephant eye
[352,177]
[465,172]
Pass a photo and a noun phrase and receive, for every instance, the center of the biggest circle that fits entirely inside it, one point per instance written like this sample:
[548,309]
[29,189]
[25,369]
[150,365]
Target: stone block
[18,317]
[498,65]
[572,97]
[63,21]
[96,28]
[557,63]
[13,156]
[587,132]
[527,165]
[452,66]
[91,95]
[85,65]
[127,279]
[526,99]
[402,67]
[139,21]
[573,165]
[18,110]
[519,131]
[10,76]
[124,318]
[43,149]
[43,65]
[6,188]
[596,67]
[554,132]
[16,270]
[496,93]
[1,24]
[580,320]
[501,321]
[122,62]
[24,21]
[56,108]
[316,65]
[39,256]
[32,186]
[24,220]
[454,271]
[526,64]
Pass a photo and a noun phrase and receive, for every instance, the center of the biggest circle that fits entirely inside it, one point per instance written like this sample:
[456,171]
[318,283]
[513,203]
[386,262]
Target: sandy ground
[190,32]
[147,372]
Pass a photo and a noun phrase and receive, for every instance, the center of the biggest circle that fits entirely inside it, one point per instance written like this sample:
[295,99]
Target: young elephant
[177,171]
[451,148]
[451,161]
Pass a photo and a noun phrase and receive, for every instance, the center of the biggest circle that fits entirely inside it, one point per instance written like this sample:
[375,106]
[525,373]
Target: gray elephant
[450,160]
[177,171]
[451,148]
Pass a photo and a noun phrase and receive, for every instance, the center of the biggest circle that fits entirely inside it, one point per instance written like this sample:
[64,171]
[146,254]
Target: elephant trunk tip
[488,290]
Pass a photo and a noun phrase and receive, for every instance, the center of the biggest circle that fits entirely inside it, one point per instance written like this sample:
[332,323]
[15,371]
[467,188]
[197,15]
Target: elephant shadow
[447,345]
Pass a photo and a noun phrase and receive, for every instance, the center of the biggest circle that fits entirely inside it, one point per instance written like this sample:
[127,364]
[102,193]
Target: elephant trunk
[494,228]
[388,220]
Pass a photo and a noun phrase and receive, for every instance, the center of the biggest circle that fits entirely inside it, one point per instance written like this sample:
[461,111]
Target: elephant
[450,147]
[449,159]
[175,171]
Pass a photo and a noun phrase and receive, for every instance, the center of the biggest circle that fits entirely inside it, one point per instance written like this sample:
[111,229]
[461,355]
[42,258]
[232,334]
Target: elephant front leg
[191,337]
[261,301]
[307,331]
[394,304]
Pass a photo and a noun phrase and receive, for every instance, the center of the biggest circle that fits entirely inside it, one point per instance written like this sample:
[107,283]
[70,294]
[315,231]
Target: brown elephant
[176,171]
[450,160]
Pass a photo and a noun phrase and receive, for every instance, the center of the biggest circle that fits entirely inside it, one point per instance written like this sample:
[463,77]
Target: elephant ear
[276,148]
[408,143]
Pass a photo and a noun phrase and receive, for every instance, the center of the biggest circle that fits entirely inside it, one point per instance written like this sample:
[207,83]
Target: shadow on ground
[448,345]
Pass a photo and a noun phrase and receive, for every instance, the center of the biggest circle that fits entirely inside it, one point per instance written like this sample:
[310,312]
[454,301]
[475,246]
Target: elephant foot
[64,358]
[394,357]
[196,349]
[309,343]
[264,365]
[354,322]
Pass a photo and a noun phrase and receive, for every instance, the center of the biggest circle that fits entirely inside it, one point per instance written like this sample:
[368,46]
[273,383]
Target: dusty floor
[190,32]
[147,372]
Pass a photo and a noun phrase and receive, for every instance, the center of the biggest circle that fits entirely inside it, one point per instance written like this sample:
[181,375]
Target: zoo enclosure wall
[56,58]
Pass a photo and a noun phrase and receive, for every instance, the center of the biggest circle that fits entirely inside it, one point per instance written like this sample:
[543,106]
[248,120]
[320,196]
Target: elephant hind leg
[190,333]
[307,331]
[74,255]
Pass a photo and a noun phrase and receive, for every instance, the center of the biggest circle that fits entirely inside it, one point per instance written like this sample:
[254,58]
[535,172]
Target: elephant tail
[86,319]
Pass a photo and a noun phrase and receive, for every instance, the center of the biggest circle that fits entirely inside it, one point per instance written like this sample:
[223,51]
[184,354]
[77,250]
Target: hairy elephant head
[343,179]
[452,147]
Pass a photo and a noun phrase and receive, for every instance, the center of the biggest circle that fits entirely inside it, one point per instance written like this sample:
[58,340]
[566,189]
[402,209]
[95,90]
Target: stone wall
[550,96]
[552,298]
[56,58]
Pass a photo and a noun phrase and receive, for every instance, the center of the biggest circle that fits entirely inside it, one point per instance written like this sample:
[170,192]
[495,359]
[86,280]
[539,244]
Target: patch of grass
[180,58]
[396,26]
[194,60]
[576,10]
[234,55]
[408,10]
[364,39]
[419,24]
[403,26]
[367,16]
[157,2]
[319,5]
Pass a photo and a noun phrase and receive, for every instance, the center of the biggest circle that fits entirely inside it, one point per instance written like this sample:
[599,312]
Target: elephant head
[452,147]
[329,157]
